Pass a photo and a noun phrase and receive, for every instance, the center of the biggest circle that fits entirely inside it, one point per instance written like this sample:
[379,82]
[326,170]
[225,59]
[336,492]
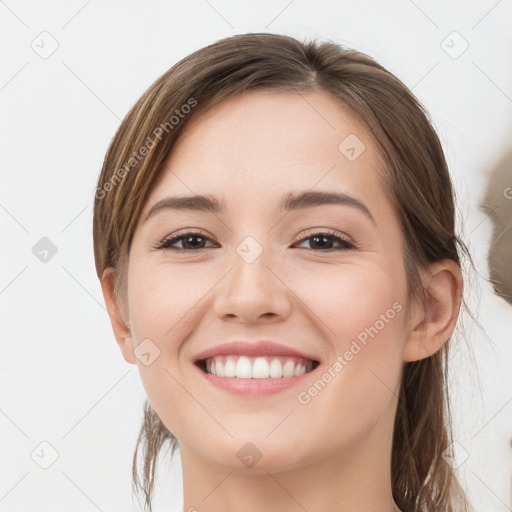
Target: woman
[274,235]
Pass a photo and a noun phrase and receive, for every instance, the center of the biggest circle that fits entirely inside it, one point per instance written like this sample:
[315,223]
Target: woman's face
[257,271]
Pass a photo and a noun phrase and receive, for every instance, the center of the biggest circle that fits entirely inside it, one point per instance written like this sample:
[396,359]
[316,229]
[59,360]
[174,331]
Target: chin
[254,455]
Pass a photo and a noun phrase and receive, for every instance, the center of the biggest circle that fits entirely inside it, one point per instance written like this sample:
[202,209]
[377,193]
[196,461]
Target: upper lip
[254,349]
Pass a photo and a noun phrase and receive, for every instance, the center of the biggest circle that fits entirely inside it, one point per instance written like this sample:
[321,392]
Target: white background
[62,376]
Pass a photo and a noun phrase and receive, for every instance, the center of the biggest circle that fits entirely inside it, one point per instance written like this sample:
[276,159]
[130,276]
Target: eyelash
[335,235]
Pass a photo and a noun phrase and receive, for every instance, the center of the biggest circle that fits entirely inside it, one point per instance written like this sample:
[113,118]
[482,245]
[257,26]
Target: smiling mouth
[262,367]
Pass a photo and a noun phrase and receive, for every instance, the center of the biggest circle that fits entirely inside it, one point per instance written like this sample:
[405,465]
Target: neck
[356,477]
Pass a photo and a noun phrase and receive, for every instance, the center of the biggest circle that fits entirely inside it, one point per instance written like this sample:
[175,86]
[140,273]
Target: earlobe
[122,332]
[433,324]
[127,347]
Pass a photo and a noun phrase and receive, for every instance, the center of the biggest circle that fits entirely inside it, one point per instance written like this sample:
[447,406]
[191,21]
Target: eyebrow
[290,201]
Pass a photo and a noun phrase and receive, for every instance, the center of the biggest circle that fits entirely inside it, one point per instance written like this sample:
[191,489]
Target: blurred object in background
[497,204]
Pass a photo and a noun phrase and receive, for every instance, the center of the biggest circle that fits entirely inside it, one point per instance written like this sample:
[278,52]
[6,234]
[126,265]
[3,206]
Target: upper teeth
[257,367]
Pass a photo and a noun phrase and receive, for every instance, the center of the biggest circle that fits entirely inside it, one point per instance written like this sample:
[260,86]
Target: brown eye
[194,240]
[190,242]
[324,242]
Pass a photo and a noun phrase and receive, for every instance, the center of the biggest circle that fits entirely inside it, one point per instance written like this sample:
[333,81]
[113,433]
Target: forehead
[253,145]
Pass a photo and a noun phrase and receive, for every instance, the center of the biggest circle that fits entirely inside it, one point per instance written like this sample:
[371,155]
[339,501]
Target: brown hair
[417,182]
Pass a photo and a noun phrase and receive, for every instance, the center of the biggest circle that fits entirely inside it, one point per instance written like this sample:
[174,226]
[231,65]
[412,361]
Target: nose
[253,291]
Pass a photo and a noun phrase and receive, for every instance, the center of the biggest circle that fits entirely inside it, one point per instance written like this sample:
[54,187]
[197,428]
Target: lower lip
[256,387]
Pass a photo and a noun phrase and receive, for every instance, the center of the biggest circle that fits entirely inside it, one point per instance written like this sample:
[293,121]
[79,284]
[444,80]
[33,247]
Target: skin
[333,453]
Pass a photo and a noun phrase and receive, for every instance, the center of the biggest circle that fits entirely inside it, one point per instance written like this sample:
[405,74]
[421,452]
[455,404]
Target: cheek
[353,301]
[159,306]
[161,299]
[363,313]
[166,305]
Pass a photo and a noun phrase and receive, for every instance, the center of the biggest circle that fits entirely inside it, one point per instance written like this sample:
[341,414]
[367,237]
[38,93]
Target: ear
[122,332]
[431,326]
